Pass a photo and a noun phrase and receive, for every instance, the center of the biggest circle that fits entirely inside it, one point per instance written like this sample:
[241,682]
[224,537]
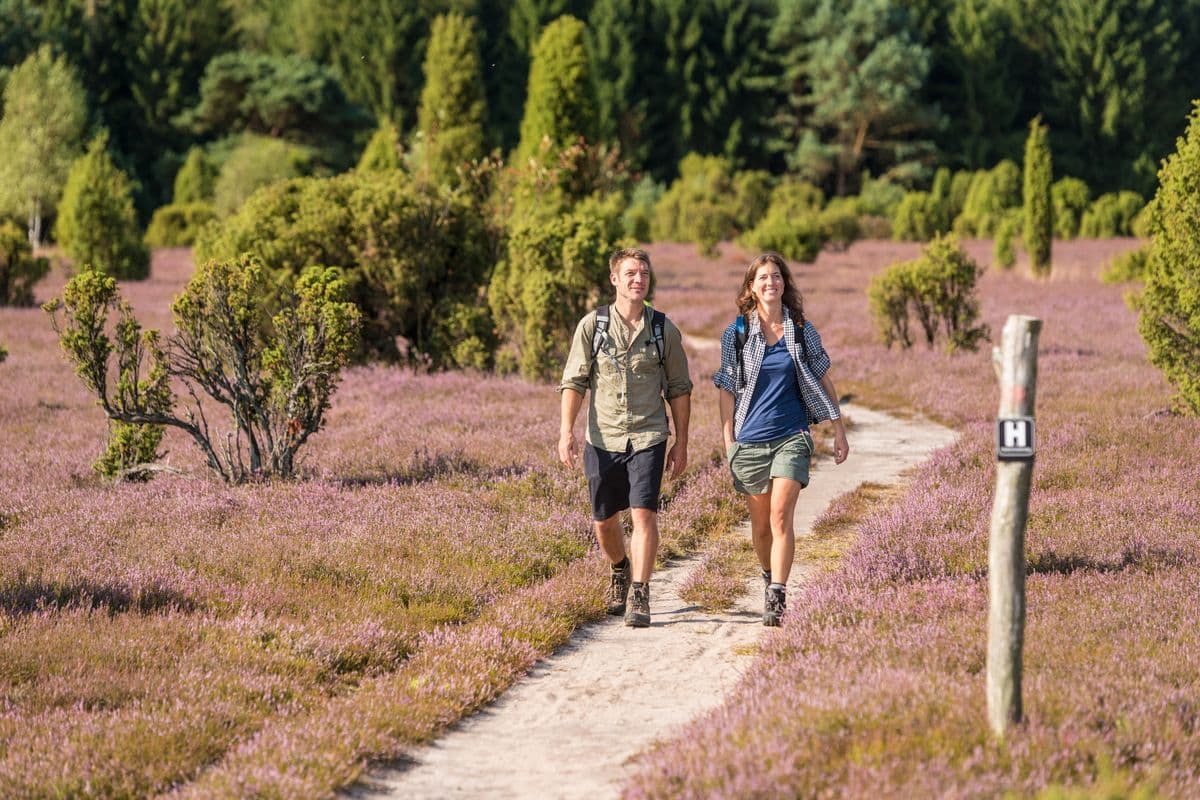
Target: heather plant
[19,269]
[196,180]
[97,225]
[275,374]
[936,290]
[1070,197]
[1111,214]
[1038,223]
[991,193]
[1169,305]
[178,224]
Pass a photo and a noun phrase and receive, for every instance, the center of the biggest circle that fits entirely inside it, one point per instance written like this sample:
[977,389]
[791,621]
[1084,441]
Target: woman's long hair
[791,295]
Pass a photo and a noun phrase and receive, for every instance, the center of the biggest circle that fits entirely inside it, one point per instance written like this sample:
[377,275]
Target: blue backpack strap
[600,332]
[800,335]
[658,321]
[740,333]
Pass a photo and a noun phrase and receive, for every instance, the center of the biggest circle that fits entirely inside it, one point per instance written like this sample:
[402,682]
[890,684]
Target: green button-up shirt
[629,389]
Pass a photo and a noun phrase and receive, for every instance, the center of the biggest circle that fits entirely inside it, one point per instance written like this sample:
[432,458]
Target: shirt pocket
[644,361]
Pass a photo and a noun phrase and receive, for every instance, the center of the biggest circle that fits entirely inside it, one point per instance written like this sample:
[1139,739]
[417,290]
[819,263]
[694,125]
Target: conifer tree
[196,179]
[1039,213]
[41,134]
[382,153]
[451,118]
[97,226]
[1169,306]
[560,104]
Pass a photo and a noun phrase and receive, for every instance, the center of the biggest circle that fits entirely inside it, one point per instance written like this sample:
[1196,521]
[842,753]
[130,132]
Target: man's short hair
[616,258]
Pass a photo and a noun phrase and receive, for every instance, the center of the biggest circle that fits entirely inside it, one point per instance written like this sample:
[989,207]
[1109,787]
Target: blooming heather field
[874,687]
[192,638]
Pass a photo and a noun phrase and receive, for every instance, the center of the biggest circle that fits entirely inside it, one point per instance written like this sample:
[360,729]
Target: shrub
[1127,267]
[838,223]
[178,224]
[916,218]
[960,186]
[639,213]
[131,448]
[383,152]
[703,204]
[1004,252]
[792,225]
[990,194]
[3,353]
[938,290]
[1070,197]
[1111,214]
[19,270]
[254,162]
[1038,223]
[561,104]
[555,271]
[97,226]
[1169,305]
[196,180]
[275,373]
[878,197]
[410,251]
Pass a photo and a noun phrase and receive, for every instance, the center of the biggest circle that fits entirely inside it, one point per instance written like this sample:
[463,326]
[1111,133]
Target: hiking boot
[775,606]
[766,576]
[638,615]
[618,590]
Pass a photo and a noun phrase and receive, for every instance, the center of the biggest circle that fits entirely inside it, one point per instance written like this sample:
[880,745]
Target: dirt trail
[574,725]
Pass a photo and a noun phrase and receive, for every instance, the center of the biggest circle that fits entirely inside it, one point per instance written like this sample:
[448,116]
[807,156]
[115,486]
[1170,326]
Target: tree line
[820,89]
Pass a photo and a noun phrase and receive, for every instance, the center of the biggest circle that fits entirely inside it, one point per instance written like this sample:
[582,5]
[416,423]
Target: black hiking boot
[618,590]
[638,615]
[775,606]
[766,576]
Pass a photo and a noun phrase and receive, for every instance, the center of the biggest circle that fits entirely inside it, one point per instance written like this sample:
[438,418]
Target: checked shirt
[808,374]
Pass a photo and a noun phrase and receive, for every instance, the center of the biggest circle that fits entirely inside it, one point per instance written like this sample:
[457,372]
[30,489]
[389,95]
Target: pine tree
[560,105]
[451,119]
[96,225]
[1169,306]
[1039,212]
[41,134]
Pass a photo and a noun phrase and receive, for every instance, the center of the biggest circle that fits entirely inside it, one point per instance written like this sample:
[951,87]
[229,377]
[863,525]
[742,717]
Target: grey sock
[777,587]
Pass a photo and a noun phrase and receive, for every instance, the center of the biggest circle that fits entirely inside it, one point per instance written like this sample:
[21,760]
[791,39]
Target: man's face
[632,279]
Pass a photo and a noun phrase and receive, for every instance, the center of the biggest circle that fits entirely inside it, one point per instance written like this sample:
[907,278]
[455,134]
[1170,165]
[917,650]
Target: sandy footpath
[574,725]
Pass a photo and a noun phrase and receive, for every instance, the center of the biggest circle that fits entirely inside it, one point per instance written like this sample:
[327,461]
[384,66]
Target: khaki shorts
[753,465]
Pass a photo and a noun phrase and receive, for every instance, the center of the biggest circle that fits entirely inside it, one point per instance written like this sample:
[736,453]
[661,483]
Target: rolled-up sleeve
[818,359]
[577,374]
[675,363]
[726,376]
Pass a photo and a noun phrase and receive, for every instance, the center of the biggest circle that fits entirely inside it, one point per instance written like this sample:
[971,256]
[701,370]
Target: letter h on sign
[1014,438]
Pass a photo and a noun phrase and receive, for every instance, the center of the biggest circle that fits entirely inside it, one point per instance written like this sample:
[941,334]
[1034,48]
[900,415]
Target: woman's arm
[841,447]
[725,401]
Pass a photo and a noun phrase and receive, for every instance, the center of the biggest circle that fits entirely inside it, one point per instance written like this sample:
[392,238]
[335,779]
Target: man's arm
[681,414]
[568,447]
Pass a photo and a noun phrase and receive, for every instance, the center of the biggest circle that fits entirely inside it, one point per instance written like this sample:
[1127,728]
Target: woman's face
[767,286]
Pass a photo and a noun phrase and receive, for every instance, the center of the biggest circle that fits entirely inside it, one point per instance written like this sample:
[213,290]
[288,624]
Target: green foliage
[1070,197]
[854,74]
[3,353]
[178,224]
[1038,223]
[287,97]
[130,446]
[989,196]
[450,122]
[275,373]
[916,218]
[257,161]
[1004,252]
[196,180]
[411,253]
[384,152]
[555,271]
[19,270]
[41,134]
[709,202]
[561,105]
[937,290]
[792,224]
[838,223]
[1111,214]
[878,197]
[1169,305]
[639,212]
[1127,267]
[960,187]
[97,226]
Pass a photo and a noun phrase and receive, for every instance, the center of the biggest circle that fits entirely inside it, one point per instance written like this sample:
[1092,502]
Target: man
[631,363]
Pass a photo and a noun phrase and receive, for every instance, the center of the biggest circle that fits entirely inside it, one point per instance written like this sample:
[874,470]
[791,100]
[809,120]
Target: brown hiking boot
[618,590]
[638,615]
[775,606]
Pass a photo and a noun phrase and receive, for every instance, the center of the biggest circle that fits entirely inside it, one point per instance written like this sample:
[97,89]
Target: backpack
[741,332]
[600,334]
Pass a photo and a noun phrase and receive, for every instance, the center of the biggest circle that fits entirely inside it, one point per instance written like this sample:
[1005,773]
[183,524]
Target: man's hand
[677,459]
[568,449]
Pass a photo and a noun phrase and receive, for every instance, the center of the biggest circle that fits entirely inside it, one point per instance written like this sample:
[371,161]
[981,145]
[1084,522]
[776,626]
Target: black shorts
[618,481]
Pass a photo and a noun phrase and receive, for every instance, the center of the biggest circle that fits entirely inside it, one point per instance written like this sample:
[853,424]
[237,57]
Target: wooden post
[1016,366]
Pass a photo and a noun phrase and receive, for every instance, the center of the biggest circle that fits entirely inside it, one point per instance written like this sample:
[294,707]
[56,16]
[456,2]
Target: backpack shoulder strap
[600,332]
[800,335]
[658,321]
[740,333]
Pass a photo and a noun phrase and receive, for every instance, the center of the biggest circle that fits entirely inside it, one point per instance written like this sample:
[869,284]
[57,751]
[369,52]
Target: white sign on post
[1014,438]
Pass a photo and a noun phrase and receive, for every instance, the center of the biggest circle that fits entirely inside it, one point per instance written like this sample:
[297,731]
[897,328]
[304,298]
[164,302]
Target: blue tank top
[775,407]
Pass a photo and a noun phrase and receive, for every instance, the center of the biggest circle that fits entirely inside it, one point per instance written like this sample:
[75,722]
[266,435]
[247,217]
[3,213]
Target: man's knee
[644,519]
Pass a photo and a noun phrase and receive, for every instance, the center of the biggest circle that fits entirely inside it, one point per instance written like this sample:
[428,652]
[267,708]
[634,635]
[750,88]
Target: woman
[774,382]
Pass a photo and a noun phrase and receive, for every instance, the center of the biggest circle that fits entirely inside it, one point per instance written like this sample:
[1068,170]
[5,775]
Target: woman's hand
[841,447]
